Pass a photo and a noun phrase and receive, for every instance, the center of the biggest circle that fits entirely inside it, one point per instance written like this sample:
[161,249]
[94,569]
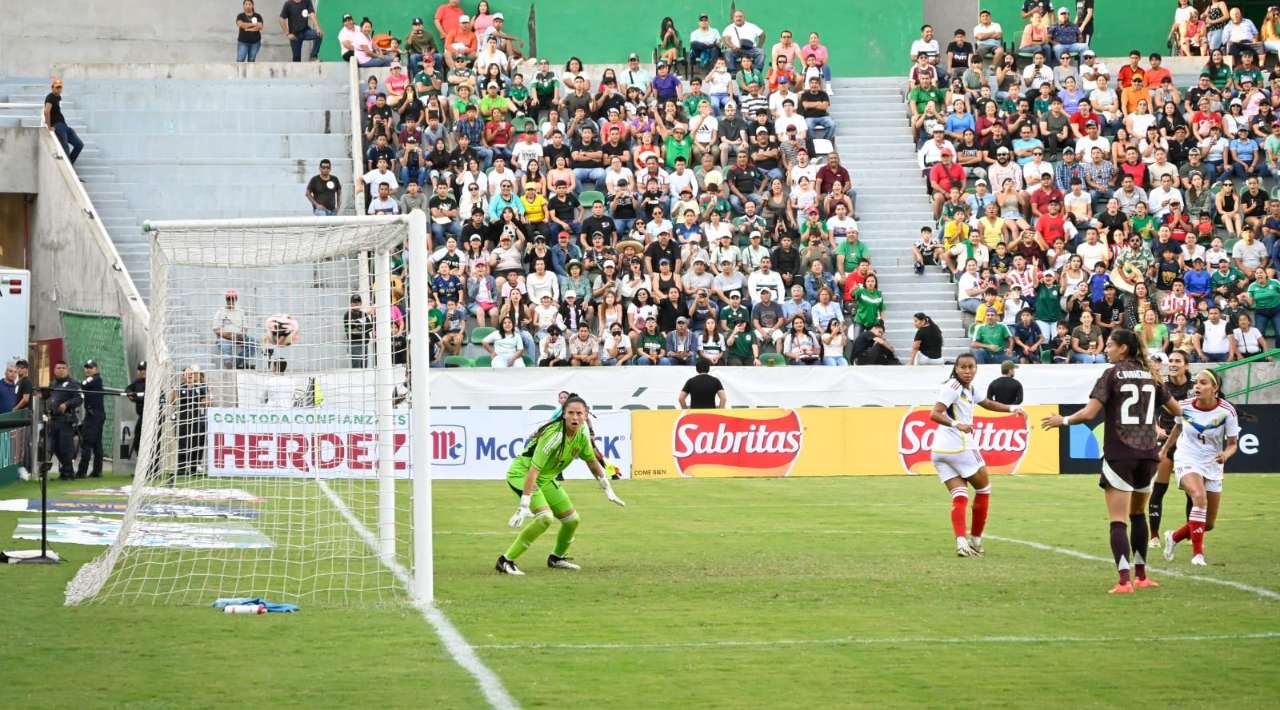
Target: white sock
[977,540]
[962,542]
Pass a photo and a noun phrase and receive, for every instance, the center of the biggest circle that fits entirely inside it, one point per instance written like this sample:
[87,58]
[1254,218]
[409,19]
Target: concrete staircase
[874,141]
[198,149]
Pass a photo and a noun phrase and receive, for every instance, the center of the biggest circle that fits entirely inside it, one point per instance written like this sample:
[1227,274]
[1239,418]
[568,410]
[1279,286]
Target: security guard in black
[64,400]
[94,417]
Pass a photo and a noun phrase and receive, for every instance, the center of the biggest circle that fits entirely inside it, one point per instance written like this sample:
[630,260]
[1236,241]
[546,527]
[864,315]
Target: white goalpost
[285,451]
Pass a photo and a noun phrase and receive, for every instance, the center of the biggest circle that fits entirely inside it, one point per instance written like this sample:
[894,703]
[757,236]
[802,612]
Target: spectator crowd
[1073,198]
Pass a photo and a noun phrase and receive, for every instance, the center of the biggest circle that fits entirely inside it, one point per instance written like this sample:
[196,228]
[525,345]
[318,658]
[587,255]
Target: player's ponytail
[1136,351]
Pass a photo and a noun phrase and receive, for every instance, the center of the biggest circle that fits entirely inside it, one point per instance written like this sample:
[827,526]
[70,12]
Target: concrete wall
[73,263]
[18,160]
[948,15]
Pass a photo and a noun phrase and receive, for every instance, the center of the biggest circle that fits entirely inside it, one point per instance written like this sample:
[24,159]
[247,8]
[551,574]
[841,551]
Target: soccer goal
[286,449]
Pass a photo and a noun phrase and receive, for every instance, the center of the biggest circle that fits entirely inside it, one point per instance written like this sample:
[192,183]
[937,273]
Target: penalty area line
[463,653]
[1260,591]
[873,641]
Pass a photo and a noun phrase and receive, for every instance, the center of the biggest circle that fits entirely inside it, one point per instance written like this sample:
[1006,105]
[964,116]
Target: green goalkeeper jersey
[550,457]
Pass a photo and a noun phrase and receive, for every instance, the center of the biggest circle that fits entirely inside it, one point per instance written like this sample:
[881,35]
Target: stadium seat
[590,197]
[529,361]
[772,360]
[479,334]
[457,361]
[482,361]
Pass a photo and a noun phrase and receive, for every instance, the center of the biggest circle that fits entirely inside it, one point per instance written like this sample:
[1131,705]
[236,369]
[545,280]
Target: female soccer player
[533,477]
[1178,385]
[955,452]
[1207,436]
[1130,391]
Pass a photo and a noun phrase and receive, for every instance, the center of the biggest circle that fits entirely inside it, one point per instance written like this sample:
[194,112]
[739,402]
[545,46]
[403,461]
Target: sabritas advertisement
[856,441]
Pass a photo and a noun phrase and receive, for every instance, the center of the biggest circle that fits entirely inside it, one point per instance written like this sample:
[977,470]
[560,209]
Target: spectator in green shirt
[651,346]
[742,348]
[679,144]
[867,303]
[992,342]
[924,93]
[1263,296]
[1048,303]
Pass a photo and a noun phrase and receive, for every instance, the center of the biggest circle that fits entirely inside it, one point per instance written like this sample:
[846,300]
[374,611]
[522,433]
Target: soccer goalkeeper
[533,477]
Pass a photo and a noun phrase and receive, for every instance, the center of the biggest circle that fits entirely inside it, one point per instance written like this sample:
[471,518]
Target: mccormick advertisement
[339,443]
[857,441]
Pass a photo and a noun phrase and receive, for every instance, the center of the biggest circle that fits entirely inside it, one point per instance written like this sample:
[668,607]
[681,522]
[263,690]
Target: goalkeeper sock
[531,532]
[564,538]
[959,501]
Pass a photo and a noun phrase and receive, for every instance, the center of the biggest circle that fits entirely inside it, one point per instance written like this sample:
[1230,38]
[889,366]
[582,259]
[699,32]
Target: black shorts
[1132,475]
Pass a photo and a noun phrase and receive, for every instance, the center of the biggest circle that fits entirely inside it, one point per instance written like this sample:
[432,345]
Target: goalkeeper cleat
[1124,588]
[964,550]
[506,566]
[1145,583]
[977,548]
[1155,544]
[1169,544]
[1198,561]
[555,562]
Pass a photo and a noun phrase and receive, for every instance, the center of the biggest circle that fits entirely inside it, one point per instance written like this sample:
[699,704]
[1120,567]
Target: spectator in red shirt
[1052,225]
[830,173]
[447,18]
[942,177]
[1132,69]
[1154,74]
[1042,196]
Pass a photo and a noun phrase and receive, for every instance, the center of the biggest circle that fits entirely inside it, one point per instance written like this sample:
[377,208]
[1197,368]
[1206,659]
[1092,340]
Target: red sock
[1196,521]
[959,501]
[1182,533]
[981,499]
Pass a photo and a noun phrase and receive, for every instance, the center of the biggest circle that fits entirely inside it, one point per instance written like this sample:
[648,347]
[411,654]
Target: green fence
[1251,384]
[865,38]
[94,336]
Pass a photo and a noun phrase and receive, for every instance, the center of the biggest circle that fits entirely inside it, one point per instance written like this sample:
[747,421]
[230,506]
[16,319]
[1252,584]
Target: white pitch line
[1260,591]
[872,641]
[463,653]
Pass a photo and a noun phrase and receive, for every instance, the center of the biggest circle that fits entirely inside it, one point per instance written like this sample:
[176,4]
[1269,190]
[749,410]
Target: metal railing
[1249,385]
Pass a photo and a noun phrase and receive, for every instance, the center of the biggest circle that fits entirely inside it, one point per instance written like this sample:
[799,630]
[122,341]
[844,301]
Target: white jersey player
[955,452]
[1207,434]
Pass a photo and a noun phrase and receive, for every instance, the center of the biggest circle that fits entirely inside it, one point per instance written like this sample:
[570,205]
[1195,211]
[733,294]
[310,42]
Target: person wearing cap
[704,43]
[1066,36]
[62,400]
[300,23]
[461,46]
[95,416]
[1090,69]
[1244,158]
[420,44]
[942,177]
[1006,389]
[136,392]
[231,333]
[682,345]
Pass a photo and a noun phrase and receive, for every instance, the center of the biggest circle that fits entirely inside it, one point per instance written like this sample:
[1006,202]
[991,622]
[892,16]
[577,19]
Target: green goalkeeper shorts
[548,495]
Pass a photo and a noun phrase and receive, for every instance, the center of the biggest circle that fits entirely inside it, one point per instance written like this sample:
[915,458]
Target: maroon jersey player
[1130,392]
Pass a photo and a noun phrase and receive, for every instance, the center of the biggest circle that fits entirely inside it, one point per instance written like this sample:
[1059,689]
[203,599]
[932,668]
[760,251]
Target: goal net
[277,457]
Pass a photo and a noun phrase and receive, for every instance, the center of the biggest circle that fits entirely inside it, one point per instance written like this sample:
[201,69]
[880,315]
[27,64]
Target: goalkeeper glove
[522,513]
[608,491]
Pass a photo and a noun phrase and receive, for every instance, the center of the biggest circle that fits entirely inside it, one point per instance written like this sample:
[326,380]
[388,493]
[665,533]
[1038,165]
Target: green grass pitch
[814,593]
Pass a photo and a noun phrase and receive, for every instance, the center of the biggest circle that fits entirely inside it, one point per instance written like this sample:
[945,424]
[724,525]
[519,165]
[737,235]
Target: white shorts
[1211,485]
[962,463]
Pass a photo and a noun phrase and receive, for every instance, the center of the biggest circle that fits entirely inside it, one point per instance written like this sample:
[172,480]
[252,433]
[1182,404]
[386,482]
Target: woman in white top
[802,169]
[710,342]
[1246,340]
[1072,274]
[550,125]
[1206,436]
[833,341]
[803,196]
[542,283]
[1140,120]
[719,85]
[955,454]
[799,346]
[658,224]
[632,281]
[714,228]
[473,175]
[472,197]
[505,346]
[969,289]
[825,311]
[640,310]
[609,312]
[615,173]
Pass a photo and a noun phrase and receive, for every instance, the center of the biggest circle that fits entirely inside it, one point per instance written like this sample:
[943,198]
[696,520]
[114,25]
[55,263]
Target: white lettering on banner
[787,388]
[918,436]
[755,440]
[328,443]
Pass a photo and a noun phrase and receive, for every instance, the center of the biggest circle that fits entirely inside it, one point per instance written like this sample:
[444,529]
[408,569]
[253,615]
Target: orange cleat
[1145,583]
[1126,588]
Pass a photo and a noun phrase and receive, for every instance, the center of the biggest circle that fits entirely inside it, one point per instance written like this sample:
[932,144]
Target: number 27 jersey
[1131,398]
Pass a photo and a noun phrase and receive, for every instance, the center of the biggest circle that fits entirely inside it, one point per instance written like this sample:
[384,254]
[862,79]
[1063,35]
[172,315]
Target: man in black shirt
[926,349]
[598,223]
[24,385]
[556,149]
[741,180]
[324,191]
[1005,389]
[298,20]
[702,391]
[588,161]
[95,415]
[56,122]
[664,248]
[562,208]
[63,399]
[872,348]
[959,51]
[814,106]
[137,393]
[786,261]
[1109,312]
